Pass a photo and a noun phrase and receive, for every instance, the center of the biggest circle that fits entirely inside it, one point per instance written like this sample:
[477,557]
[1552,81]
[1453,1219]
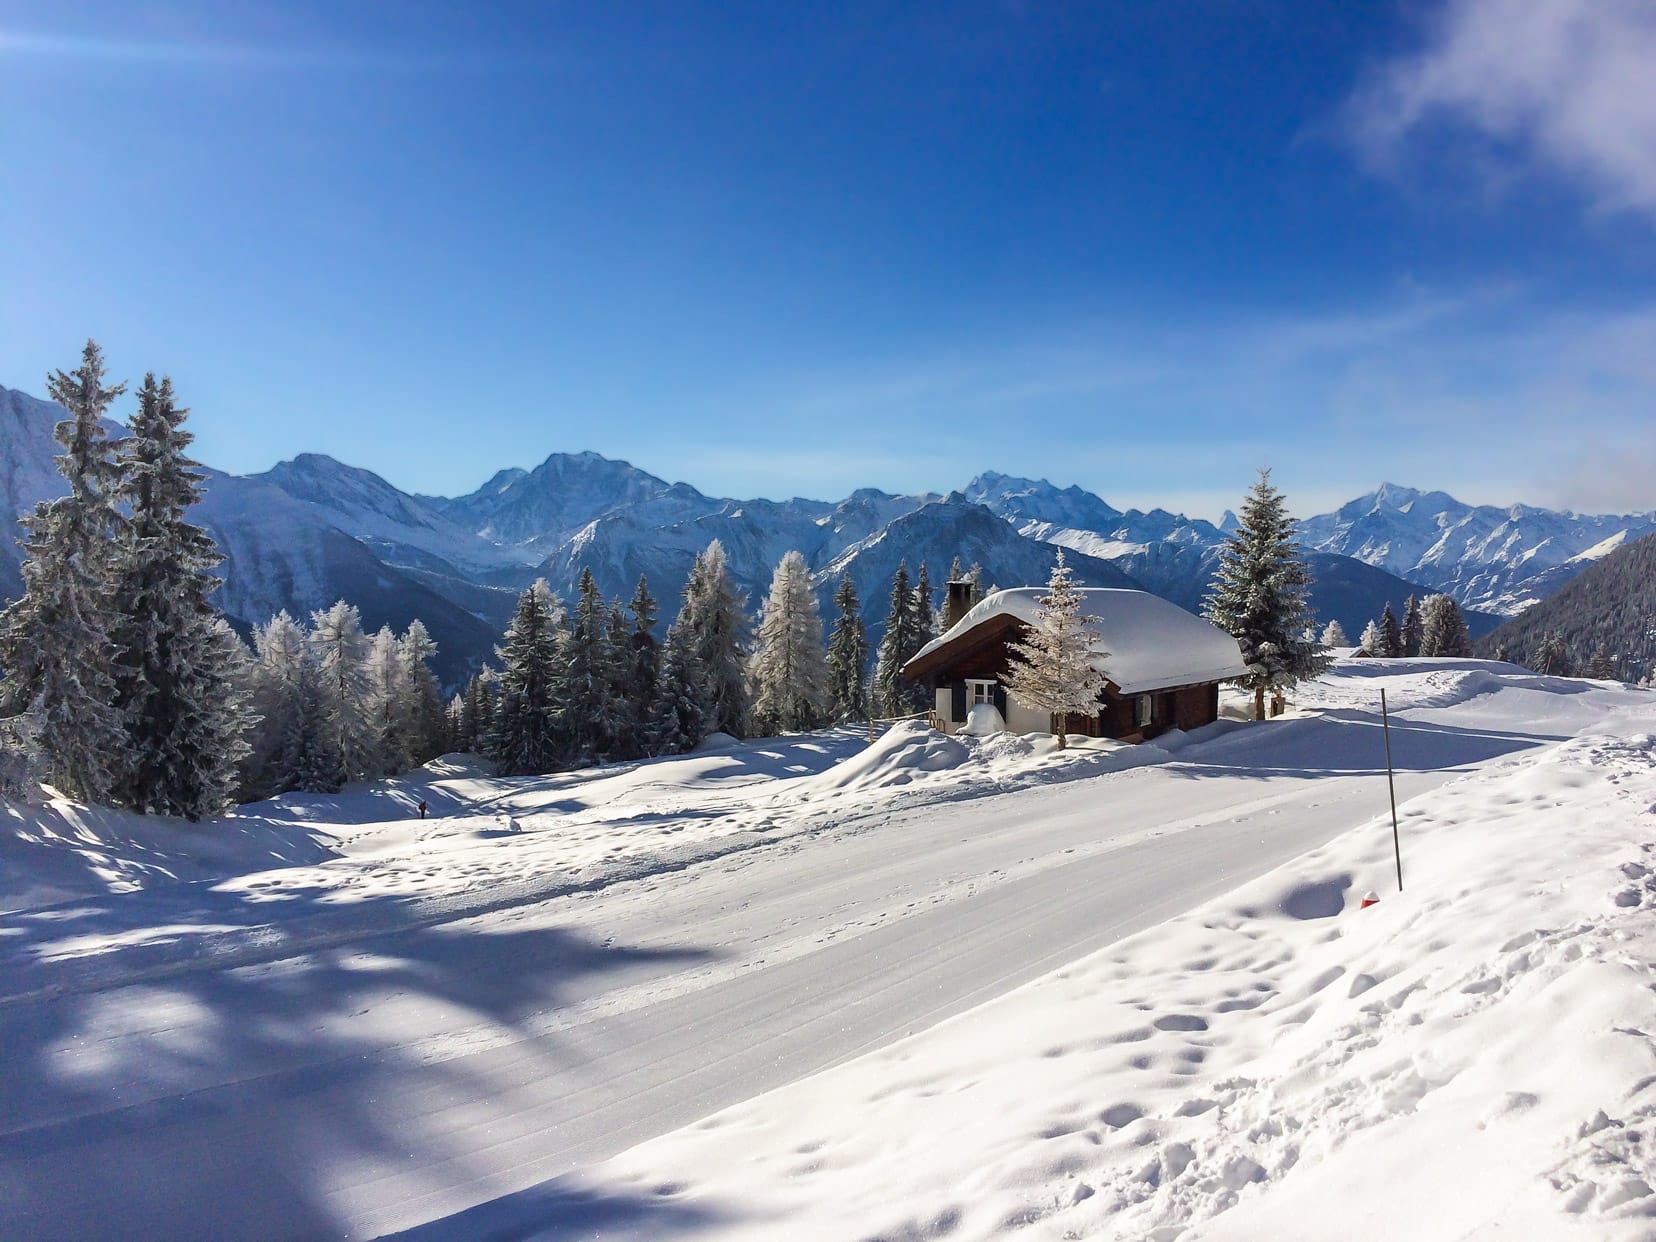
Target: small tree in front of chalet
[1051,667]
[1259,596]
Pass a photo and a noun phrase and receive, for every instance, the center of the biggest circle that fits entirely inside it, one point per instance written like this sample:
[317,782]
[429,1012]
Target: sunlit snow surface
[806,988]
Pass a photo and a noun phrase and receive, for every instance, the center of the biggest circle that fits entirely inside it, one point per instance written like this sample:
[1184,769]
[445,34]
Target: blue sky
[795,249]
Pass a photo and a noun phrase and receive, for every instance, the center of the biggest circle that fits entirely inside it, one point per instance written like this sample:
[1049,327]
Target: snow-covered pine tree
[718,630]
[790,668]
[522,738]
[1552,656]
[643,653]
[20,767]
[891,692]
[925,617]
[1334,635]
[589,716]
[54,641]
[426,714]
[848,655]
[1259,595]
[1372,640]
[1051,666]
[1412,632]
[477,712]
[1602,667]
[340,650]
[176,678]
[454,722]
[1390,635]
[387,704]
[1443,628]
[623,740]
[677,721]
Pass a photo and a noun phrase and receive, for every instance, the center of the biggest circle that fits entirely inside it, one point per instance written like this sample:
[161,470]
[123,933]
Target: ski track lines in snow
[378,1041]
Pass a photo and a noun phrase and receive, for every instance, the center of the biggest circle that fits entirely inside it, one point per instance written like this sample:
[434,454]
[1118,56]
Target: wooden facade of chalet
[970,667]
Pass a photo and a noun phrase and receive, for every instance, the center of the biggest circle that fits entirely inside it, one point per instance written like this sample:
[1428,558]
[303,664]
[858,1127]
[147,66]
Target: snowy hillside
[808,988]
[1492,559]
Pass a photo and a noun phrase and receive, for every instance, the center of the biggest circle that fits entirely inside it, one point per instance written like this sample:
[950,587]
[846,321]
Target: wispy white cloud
[1565,84]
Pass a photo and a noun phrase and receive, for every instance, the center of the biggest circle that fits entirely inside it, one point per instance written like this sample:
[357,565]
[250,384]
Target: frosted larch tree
[1259,595]
[1371,639]
[790,669]
[1334,635]
[848,655]
[426,715]
[340,650]
[387,703]
[1052,665]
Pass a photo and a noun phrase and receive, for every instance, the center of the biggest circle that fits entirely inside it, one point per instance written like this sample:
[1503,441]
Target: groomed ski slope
[450,1026]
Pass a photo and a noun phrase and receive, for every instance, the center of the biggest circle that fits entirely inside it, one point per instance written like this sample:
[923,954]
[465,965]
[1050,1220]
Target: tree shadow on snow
[562,1209]
[260,1101]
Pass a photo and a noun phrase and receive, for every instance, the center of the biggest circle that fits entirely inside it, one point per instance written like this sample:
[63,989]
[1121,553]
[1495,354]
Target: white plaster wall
[1023,719]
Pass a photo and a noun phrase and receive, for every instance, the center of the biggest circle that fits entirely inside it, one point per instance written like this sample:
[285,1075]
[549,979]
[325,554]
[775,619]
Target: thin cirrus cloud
[1565,85]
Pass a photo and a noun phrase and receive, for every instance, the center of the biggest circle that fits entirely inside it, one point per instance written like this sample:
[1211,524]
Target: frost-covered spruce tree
[523,737]
[589,715]
[677,721]
[925,618]
[643,660]
[20,767]
[1443,628]
[623,739]
[1259,595]
[1391,635]
[1371,639]
[340,650]
[387,704]
[176,677]
[1412,632]
[893,695]
[718,631]
[790,668]
[1051,666]
[1552,656]
[848,656]
[54,641]
[1334,635]
[426,714]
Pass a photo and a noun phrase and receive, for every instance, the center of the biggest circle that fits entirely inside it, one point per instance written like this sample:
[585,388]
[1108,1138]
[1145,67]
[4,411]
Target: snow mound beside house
[907,750]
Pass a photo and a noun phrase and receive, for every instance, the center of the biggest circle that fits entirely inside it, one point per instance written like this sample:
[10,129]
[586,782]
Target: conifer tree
[1390,640]
[1052,665]
[1552,656]
[284,702]
[589,716]
[643,654]
[1412,633]
[54,641]
[523,735]
[386,705]
[1259,595]
[175,676]
[1602,667]
[925,618]
[677,721]
[892,694]
[848,655]
[1334,635]
[1443,628]
[790,668]
[1372,640]
[340,650]
[718,632]
[426,714]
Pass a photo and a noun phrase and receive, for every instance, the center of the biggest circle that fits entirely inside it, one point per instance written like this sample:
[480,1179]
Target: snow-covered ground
[807,988]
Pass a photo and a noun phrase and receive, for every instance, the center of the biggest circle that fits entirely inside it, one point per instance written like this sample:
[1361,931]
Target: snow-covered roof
[1144,642]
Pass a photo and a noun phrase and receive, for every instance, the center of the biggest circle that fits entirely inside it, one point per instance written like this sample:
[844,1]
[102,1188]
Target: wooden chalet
[1164,665]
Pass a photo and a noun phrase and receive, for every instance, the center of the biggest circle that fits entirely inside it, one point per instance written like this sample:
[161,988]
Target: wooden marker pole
[1391,787]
